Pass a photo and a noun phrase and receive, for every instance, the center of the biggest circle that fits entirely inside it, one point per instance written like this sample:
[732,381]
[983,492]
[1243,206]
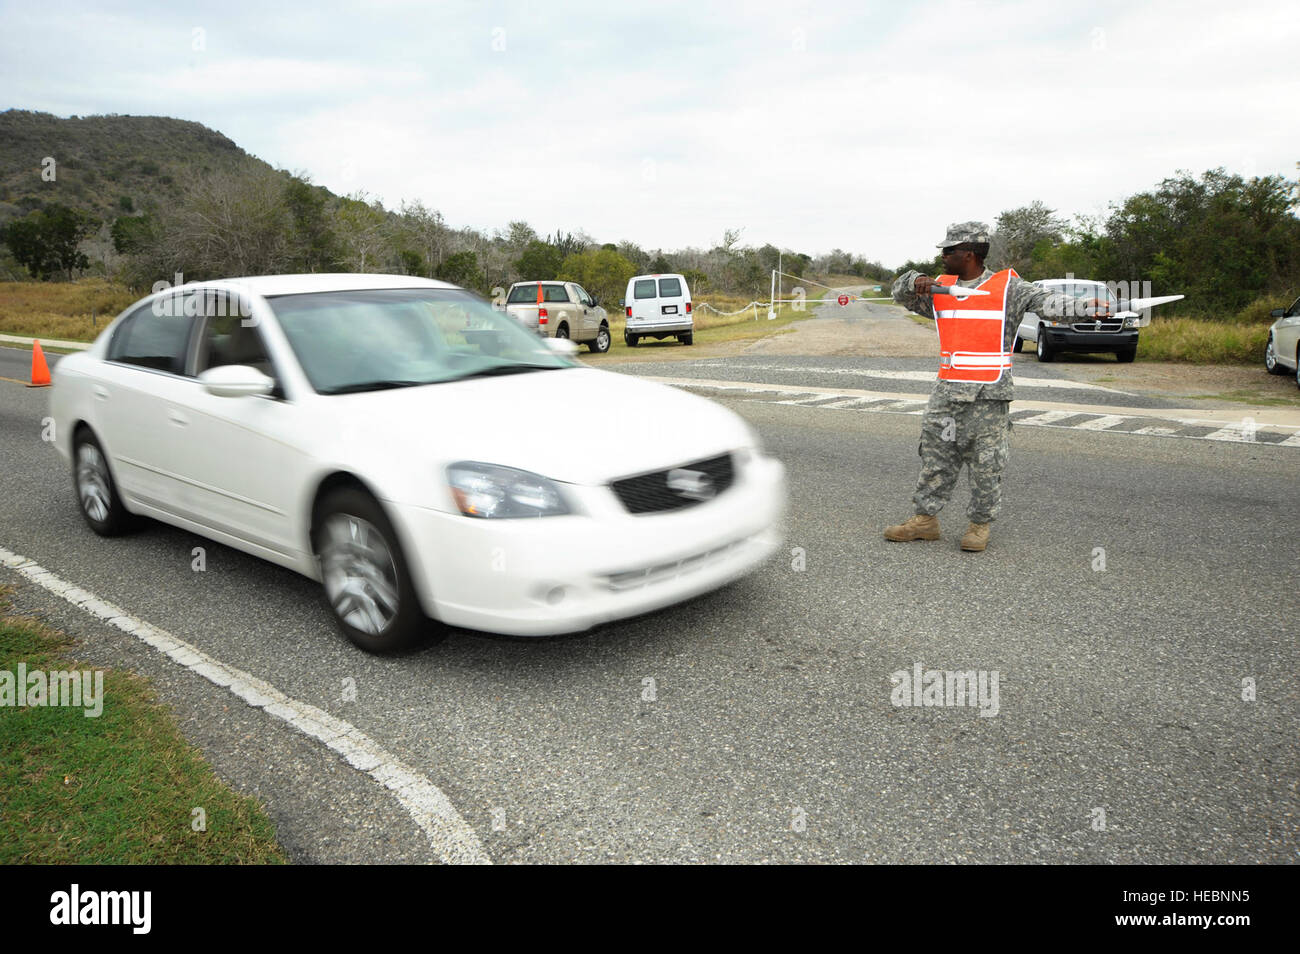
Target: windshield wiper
[373,386]
[499,369]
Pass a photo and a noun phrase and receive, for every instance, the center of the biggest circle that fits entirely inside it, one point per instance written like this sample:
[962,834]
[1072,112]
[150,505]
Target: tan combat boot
[976,537]
[920,527]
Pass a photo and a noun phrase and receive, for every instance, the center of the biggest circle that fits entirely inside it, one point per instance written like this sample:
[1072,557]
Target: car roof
[268,285]
[659,275]
[545,281]
[1068,281]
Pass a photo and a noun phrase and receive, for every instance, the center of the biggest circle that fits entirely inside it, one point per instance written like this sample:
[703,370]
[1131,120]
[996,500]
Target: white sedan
[415,451]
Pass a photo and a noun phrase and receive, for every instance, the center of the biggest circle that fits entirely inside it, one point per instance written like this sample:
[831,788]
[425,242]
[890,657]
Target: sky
[811,126]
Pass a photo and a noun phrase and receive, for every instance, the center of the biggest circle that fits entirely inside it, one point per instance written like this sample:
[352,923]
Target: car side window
[583,297]
[155,336]
[229,337]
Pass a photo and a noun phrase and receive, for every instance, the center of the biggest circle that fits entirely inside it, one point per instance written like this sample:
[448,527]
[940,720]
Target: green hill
[107,165]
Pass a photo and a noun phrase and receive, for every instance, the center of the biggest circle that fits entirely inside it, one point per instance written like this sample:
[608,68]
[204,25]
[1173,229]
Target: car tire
[687,339]
[1019,346]
[600,343]
[364,575]
[1126,355]
[562,331]
[1043,349]
[1271,363]
[630,340]
[92,479]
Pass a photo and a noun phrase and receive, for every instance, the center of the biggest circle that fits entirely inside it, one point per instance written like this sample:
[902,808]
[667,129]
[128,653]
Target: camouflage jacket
[1022,296]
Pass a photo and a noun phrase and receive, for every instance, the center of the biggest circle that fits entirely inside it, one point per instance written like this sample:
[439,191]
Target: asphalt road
[771,735]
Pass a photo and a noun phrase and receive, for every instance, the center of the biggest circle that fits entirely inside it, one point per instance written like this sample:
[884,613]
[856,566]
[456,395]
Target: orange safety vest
[970,330]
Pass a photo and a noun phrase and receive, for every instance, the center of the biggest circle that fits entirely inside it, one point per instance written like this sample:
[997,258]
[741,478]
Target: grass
[115,789]
[73,311]
[1201,341]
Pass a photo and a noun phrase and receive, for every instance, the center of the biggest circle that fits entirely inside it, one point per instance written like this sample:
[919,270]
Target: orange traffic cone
[40,370]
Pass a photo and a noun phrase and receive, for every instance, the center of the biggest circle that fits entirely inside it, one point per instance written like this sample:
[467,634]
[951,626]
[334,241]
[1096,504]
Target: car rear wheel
[1044,350]
[630,340]
[562,331]
[1126,355]
[96,493]
[600,344]
[688,338]
[364,574]
[1270,358]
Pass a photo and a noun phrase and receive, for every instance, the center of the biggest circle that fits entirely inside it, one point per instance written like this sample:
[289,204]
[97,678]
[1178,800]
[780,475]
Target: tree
[461,269]
[315,247]
[133,234]
[48,241]
[424,231]
[359,225]
[540,261]
[603,272]
[1019,231]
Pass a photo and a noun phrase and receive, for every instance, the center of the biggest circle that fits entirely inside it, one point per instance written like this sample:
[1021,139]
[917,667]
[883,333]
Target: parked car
[658,306]
[1117,333]
[560,310]
[1282,353]
[396,439]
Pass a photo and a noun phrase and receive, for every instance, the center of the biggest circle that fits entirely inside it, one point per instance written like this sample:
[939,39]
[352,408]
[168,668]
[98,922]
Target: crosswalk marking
[1047,417]
[1099,423]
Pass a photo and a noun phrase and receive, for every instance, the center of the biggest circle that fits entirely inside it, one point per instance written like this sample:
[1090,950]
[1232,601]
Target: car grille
[652,493]
[1107,326]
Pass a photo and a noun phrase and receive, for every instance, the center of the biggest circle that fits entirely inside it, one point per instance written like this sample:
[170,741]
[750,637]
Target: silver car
[1282,353]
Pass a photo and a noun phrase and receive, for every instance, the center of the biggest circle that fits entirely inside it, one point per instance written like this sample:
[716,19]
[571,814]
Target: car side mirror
[622,303]
[562,346]
[1277,313]
[236,380]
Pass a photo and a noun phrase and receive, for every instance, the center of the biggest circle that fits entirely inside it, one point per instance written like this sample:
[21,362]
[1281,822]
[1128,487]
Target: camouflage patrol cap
[966,233]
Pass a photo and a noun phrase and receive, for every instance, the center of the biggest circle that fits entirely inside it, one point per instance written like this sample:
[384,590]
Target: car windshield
[349,341]
[1085,290]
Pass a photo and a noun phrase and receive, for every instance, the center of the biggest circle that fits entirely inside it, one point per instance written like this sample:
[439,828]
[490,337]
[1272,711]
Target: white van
[658,306]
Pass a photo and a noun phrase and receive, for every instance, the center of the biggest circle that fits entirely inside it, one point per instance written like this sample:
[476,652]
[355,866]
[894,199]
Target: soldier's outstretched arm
[904,292]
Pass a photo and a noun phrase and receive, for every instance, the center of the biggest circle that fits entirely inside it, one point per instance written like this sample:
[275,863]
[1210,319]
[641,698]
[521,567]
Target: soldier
[967,418]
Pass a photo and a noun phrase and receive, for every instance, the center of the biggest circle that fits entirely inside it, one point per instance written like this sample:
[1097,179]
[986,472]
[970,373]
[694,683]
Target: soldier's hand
[923,284]
[1100,309]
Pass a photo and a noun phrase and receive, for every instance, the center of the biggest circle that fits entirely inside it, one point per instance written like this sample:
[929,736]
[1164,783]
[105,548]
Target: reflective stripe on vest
[970,332]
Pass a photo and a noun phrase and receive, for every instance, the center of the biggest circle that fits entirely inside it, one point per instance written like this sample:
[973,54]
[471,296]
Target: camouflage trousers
[957,433]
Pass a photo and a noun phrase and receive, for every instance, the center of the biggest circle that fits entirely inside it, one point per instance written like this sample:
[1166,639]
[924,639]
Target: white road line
[1156,431]
[449,836]
[1292,441]
[926,376]
[1047,417]
[1099,423]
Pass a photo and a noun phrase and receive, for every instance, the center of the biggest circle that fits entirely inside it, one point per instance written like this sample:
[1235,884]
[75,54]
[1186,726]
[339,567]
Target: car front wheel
[1044,350]
[1270,358]
[96,493]
[1019,345]
[1126,355]
[364,574]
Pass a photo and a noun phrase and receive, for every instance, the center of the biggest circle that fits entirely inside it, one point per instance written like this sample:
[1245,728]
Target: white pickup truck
[559,310]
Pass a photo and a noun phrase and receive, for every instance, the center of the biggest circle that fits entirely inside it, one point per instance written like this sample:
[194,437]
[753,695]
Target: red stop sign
[843,299]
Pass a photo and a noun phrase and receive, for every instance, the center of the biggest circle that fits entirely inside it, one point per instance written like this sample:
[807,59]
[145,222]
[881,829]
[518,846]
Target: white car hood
[577,425]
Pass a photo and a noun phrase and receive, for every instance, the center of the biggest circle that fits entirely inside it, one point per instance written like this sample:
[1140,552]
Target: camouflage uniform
[968,422]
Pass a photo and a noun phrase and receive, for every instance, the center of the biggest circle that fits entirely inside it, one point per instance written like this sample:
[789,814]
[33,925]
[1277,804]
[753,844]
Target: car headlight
[1132,322]
[489,490]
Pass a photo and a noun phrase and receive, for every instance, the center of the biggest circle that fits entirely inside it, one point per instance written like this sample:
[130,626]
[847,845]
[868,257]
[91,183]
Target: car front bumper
[550,575]
[1067,339]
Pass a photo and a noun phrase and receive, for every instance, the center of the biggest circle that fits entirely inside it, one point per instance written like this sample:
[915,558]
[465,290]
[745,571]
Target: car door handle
[177,418]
